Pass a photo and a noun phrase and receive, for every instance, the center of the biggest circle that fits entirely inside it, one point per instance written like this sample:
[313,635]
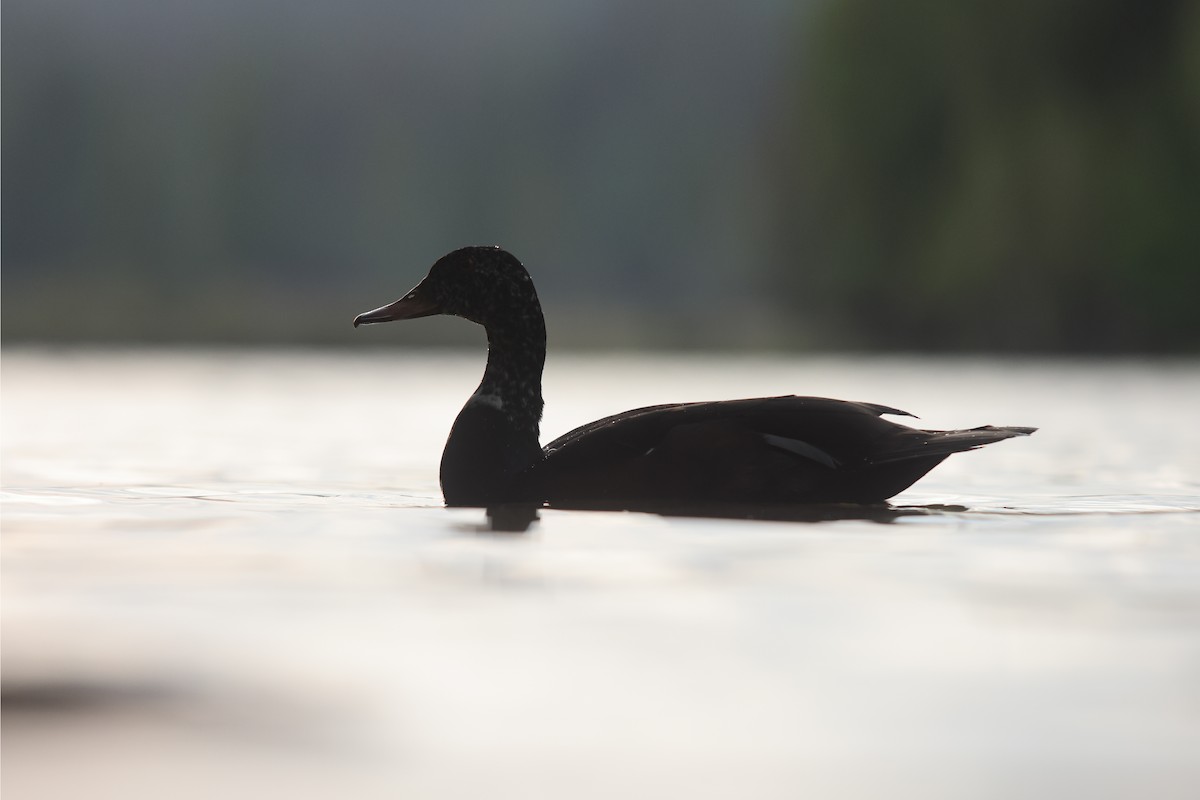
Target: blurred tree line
[838,173]
[1018,176]
[262,170]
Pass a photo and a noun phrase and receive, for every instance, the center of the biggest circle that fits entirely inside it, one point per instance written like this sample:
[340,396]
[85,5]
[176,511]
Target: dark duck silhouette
[769,451]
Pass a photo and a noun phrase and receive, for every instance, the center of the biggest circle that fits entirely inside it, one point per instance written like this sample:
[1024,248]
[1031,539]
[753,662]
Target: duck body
[737,452]
[685,456]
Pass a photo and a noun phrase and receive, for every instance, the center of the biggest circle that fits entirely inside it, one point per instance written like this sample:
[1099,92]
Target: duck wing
[763,450]
[836,427]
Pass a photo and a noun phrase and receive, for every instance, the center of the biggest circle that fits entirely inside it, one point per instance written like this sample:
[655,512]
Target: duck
[765,452]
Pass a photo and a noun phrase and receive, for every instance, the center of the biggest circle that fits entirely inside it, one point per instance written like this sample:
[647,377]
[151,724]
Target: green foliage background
[1023,175]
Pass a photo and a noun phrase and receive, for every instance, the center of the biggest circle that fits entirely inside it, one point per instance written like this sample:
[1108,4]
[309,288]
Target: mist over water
[234,566]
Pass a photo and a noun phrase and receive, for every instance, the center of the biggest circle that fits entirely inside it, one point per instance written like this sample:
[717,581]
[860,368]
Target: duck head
[481,284]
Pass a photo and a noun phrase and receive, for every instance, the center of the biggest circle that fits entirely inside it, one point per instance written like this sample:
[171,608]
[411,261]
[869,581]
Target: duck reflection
[519,517]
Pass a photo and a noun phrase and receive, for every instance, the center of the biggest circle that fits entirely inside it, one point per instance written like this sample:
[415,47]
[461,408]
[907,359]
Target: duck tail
[920,444]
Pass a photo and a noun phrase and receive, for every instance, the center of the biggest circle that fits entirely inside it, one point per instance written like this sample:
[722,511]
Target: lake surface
[229,574]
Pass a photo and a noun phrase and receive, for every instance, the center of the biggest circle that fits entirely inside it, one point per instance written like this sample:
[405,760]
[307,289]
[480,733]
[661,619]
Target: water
[228,574]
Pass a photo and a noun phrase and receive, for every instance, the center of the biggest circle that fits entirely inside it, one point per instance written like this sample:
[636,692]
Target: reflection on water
[226,571]
[518,517]
[781,512]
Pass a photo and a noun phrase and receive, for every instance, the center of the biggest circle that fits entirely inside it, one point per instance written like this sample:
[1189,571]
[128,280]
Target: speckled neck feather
[512,381]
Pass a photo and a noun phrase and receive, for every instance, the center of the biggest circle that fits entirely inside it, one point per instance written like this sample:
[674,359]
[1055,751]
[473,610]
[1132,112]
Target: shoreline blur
[812,176]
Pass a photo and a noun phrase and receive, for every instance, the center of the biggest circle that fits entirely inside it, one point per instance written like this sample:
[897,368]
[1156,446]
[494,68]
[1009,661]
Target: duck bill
[413,305]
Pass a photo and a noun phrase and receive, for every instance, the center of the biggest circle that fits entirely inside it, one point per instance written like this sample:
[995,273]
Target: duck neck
[495,437]
[512,380]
